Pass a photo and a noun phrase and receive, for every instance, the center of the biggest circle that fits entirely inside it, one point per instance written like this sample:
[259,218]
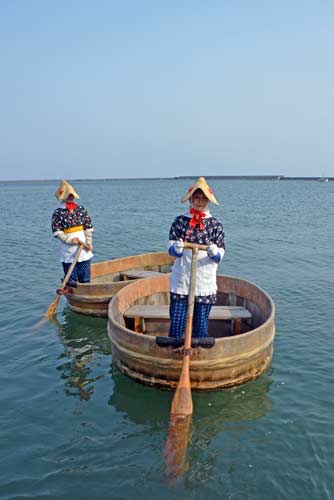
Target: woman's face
[70,198]
[199,201]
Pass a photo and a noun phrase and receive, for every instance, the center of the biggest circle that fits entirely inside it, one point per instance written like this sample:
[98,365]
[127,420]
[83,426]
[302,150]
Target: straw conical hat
[203,186]
[64,190]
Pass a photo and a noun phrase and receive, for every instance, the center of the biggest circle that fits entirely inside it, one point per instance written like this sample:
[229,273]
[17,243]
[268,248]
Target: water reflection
[243,403]
[224,412]
[215,409]
[140,403]
[82,338]
[215,413]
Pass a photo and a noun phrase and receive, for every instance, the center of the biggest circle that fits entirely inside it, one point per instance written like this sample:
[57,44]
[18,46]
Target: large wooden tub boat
[108,277]
[242,323]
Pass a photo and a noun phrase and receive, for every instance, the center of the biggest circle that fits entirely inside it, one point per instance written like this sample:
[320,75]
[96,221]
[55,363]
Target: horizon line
[226,177]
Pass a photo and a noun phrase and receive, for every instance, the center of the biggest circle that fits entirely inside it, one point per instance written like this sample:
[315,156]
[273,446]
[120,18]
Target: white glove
[178,247]
[212,250]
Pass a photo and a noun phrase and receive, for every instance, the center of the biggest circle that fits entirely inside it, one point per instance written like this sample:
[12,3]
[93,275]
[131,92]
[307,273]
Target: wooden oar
[182,404]
[52,309]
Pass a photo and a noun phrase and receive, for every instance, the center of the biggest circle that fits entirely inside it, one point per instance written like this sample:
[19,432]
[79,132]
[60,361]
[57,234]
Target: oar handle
[191,297]
[195,245]
[69,272]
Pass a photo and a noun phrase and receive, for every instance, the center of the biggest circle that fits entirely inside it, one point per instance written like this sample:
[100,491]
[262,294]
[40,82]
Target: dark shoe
[205,342]
[71,284]
[169,341]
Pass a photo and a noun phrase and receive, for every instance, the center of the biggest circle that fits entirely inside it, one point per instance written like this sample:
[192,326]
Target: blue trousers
[178,318]
[81,272]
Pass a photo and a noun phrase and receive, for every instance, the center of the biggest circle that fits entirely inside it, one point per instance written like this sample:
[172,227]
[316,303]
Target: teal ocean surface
[73,427]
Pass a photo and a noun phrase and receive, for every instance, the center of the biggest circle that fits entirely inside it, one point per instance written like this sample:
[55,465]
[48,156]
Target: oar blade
[178,432]
[182,404]
[52,309]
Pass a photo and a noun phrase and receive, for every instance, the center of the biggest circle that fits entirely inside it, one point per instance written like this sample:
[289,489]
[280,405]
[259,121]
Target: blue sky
[165,88]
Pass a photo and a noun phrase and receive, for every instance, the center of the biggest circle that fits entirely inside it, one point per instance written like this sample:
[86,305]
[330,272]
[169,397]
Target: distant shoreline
[261,177]
[183,177]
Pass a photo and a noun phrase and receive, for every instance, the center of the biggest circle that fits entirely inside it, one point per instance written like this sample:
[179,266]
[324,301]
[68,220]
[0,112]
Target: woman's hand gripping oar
[182,404]
[52,309]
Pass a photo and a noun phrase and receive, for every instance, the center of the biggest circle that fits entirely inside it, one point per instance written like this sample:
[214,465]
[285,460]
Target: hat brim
[210,196]
[65,190]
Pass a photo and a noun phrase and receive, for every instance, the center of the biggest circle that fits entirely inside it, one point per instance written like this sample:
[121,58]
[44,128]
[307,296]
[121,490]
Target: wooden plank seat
[133,274]
[141,312]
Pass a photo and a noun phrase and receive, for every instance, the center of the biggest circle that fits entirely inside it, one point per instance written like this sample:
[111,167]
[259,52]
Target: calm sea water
[73,427]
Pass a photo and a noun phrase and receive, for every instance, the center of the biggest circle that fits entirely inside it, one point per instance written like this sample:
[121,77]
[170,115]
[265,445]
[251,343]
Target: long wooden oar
[52,309]
[182,404]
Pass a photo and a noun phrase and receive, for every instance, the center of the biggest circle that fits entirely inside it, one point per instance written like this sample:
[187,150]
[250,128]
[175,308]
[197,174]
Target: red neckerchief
[197,218]
[71,205]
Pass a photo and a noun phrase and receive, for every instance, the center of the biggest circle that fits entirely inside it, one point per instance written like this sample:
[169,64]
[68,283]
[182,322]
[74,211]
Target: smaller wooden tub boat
[108,277]
[242,323]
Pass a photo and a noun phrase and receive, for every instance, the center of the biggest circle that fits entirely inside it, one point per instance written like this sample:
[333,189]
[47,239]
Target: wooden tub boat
[108,277]
[242,323]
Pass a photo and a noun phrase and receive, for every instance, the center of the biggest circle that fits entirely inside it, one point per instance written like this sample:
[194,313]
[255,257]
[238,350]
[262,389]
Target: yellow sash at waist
[73,229]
